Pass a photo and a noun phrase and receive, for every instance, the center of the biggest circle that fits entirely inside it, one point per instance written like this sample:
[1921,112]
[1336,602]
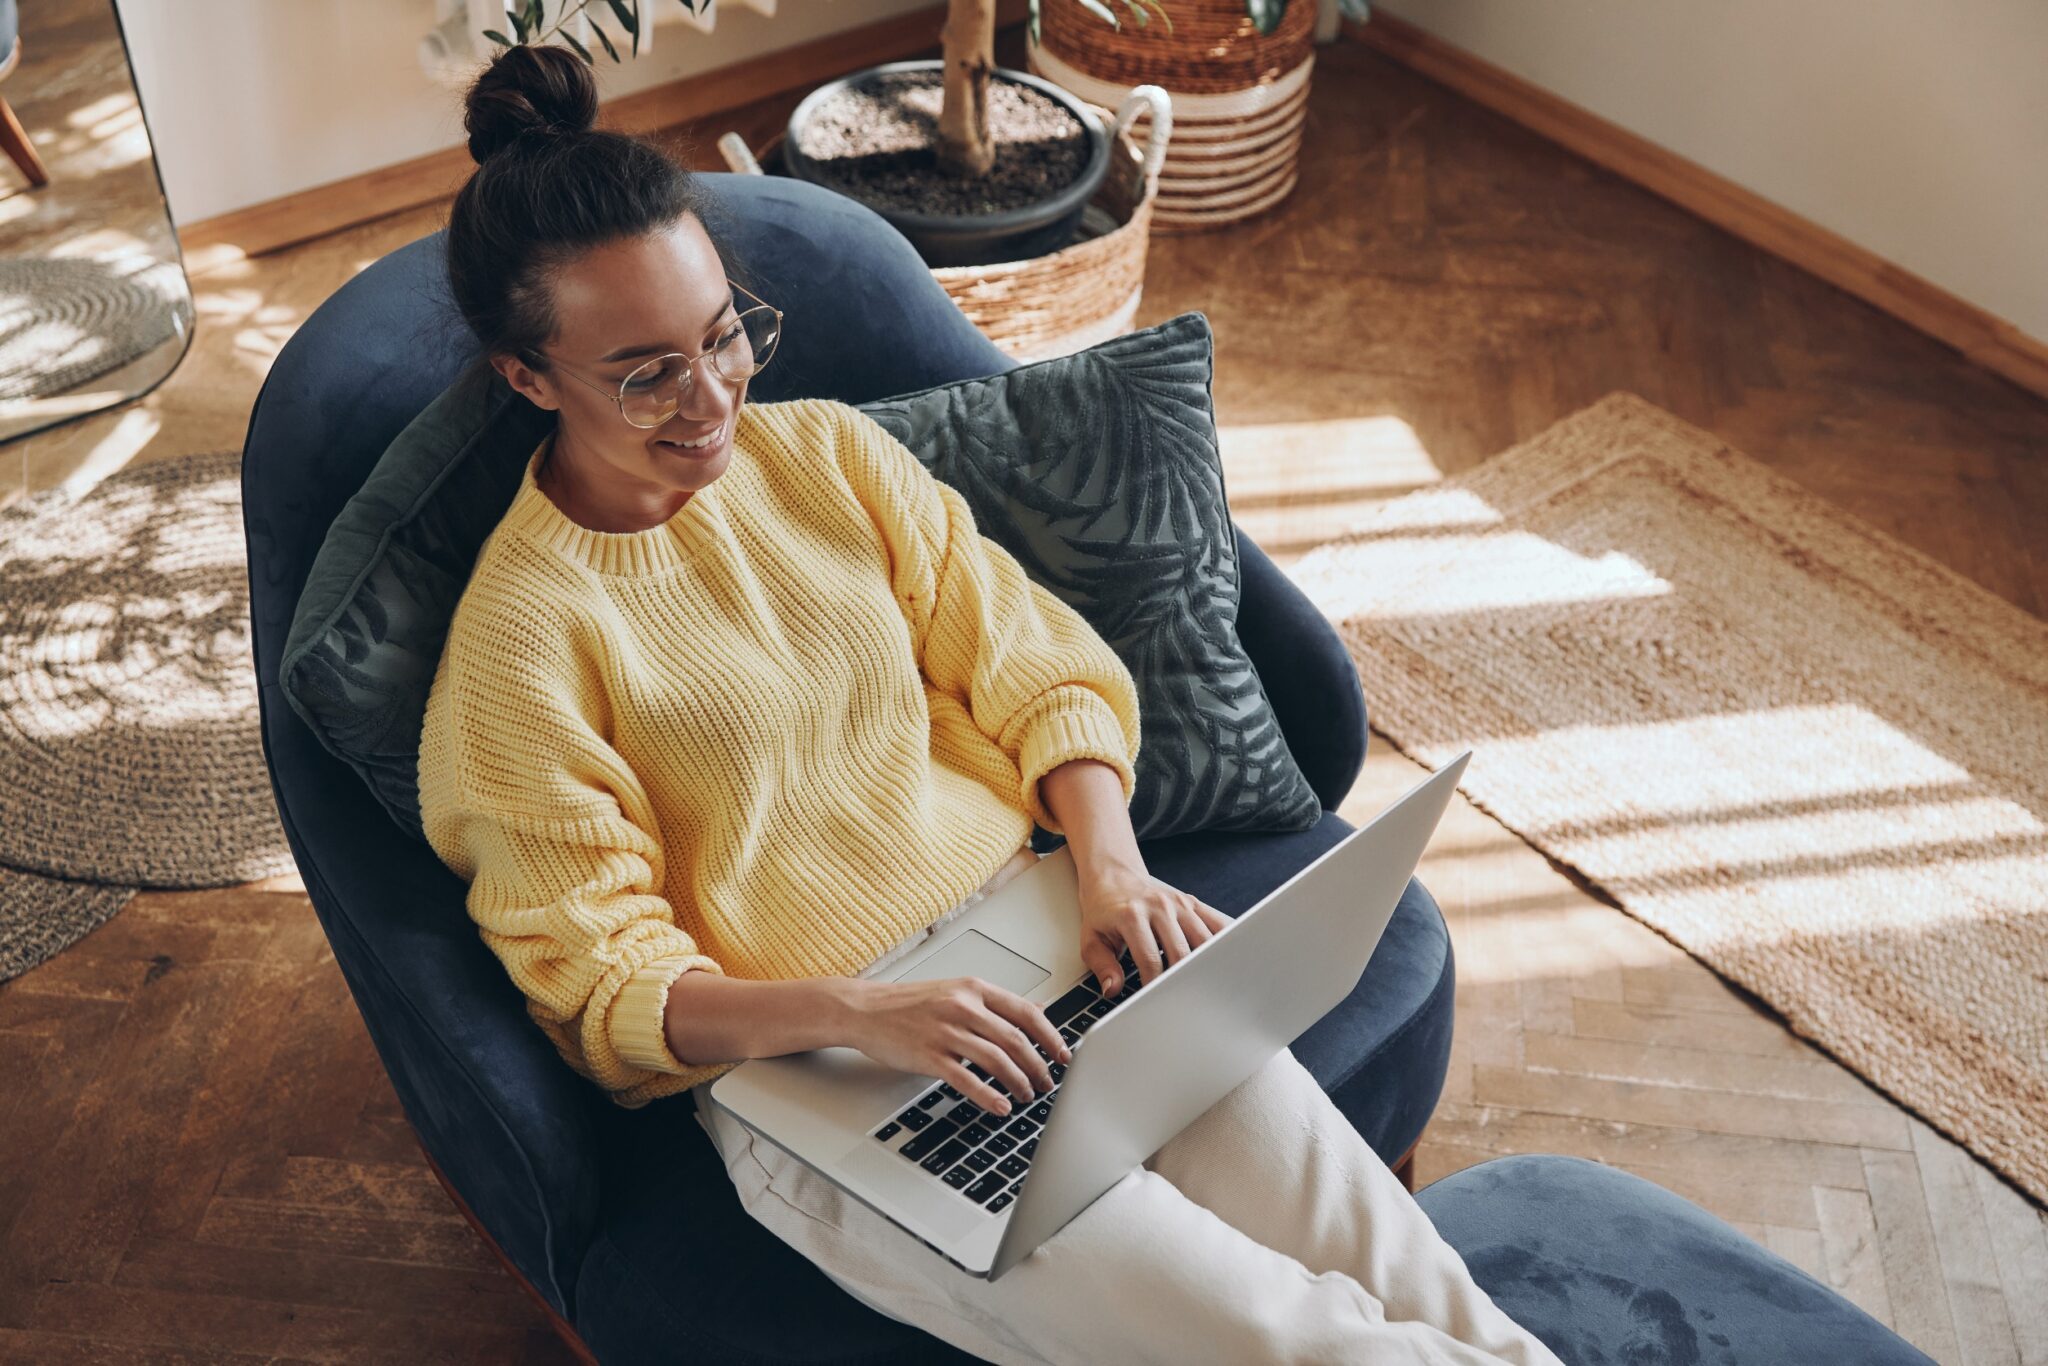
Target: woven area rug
[1807,753]
[128,721]
[42,916]
[65,320]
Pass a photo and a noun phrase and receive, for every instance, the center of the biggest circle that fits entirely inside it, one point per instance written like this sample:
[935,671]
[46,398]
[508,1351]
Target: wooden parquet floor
[203,1160]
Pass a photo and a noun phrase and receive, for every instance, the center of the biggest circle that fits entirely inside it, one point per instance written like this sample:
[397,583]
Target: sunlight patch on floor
[1500,570]
[132,431]
[1318,458]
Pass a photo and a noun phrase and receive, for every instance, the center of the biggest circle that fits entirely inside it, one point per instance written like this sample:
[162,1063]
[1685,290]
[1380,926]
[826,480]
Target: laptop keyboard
[985,1157]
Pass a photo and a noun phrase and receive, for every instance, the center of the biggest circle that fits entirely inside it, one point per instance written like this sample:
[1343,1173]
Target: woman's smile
[718,442]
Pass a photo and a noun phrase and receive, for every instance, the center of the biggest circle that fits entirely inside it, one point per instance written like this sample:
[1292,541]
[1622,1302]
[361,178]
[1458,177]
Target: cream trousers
[1265,1231]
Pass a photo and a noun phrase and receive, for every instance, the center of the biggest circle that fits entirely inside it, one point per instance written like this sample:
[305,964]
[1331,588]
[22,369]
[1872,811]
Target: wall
[1916,130]
[248,100]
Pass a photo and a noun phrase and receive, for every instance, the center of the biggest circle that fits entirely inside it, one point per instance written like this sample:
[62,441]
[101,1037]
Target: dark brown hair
[549,185]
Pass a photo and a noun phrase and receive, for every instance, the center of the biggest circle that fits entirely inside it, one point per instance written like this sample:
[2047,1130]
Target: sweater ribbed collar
[622,553]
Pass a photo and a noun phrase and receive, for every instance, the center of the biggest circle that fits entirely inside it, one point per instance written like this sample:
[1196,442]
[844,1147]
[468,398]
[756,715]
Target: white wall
[248,100]
[1914,129]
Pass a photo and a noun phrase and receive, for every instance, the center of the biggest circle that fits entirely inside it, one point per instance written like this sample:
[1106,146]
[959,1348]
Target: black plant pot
[971,239]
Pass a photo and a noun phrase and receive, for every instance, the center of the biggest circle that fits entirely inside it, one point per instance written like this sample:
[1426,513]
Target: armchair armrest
[1307,673]
[511,1126]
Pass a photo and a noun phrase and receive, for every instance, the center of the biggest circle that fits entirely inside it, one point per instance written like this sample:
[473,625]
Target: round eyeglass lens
[653,393]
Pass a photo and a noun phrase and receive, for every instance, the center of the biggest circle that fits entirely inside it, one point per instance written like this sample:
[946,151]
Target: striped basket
[1087,291]
[1240,97]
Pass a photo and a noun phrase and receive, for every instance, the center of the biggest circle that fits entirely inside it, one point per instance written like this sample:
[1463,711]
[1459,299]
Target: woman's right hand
[930,1026]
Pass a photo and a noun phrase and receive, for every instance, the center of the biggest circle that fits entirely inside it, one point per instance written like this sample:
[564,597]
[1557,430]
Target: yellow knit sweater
[771,737]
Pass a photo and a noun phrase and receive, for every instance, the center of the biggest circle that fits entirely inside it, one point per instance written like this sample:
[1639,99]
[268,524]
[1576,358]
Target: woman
[738,705]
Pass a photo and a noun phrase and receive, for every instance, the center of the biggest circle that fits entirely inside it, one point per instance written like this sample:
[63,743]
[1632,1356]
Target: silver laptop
[1145,1064]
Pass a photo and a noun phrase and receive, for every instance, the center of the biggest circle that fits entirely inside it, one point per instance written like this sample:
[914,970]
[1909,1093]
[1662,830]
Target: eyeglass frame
[619,398]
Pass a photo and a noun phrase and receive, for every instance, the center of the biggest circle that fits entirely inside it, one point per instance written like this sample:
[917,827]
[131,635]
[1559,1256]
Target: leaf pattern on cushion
[1100,472]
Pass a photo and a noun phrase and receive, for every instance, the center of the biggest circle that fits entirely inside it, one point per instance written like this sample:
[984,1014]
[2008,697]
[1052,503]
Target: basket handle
[1156,101]
[734,149]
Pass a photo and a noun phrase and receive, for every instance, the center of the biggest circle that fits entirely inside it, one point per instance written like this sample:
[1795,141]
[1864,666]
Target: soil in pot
[876,141]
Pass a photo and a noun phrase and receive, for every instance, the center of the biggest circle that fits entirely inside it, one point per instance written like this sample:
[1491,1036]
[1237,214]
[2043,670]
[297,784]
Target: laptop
[984,1190]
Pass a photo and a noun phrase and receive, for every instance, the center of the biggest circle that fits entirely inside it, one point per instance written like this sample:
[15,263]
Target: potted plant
[913,140]
[972,162]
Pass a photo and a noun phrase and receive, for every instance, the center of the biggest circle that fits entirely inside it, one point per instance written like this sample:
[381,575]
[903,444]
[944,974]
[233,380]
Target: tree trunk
[969,41]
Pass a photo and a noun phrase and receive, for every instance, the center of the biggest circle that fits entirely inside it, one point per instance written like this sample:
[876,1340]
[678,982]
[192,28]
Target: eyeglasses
[657,390]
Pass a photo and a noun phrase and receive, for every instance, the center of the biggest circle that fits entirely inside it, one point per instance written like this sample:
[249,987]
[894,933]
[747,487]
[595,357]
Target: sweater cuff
[1081,725]
[639,1034]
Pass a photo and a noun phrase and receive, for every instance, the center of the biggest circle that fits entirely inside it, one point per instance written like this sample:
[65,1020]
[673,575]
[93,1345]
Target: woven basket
[1087,291]
[1240,97]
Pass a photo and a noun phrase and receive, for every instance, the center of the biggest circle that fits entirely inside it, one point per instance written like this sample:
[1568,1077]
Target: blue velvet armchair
[621,1224]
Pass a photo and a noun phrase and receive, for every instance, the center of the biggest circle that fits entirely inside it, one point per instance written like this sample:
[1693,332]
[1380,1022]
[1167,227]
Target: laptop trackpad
[973,954]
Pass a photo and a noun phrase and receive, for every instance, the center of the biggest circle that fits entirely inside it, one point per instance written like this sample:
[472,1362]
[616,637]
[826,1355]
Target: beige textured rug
[1810,755]
[128,717]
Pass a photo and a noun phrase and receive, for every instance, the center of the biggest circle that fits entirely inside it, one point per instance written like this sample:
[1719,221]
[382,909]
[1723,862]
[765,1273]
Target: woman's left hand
[1125,908]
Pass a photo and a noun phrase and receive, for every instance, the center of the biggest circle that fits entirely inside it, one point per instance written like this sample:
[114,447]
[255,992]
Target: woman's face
[616,307]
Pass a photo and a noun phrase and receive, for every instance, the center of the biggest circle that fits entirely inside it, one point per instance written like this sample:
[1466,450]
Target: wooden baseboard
[339,204]
[1988,340]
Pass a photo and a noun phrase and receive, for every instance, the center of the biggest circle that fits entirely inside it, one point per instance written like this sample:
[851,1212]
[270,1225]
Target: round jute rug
[65,319]
[42,916]
[128,721]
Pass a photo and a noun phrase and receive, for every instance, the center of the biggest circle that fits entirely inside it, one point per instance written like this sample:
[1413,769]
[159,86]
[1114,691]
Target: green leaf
[603,38]
[1355,10]
[518,17]
[581,50]
[1266,13]
[498,37]
[627,19]
[1097,7]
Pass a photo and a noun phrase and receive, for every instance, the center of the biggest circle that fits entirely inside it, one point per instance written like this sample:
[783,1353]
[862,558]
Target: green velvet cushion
[368,630]
[1099,471]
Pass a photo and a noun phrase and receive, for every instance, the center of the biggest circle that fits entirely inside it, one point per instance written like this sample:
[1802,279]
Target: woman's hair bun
[528,88]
